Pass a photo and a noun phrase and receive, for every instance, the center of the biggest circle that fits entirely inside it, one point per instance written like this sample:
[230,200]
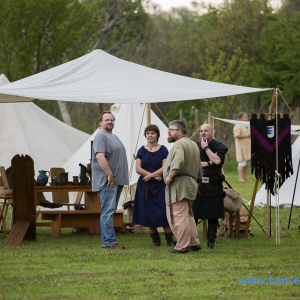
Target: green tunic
[184,157]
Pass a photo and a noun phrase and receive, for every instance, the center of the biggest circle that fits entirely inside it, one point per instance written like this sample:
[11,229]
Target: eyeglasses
[171,129]
[109,120]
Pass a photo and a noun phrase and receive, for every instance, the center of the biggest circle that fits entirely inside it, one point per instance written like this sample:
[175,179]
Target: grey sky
[168,4]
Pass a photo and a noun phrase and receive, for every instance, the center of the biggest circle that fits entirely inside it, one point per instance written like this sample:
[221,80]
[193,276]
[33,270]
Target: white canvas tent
[131,120]
[287,189]
[27,129]
[102,78]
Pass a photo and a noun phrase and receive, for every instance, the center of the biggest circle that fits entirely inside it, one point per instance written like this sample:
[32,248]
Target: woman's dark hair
[154,128]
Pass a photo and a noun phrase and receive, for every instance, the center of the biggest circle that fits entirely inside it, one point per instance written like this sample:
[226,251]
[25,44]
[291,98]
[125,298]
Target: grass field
[76,267]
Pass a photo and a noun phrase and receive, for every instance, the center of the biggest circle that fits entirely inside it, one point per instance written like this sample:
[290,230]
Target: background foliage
[239,42]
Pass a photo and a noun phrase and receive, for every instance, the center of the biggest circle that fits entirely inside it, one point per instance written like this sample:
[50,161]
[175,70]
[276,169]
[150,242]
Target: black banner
[263,149]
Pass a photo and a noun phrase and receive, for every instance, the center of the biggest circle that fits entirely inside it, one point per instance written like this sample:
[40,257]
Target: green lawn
[76,267]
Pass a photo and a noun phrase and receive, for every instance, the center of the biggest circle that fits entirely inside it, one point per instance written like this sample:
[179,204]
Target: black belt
[213,179]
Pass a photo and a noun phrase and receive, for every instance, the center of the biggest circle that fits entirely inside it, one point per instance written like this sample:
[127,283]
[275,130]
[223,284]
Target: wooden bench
[77,219]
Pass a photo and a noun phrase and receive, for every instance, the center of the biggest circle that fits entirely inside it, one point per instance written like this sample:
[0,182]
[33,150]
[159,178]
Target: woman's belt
[147,188]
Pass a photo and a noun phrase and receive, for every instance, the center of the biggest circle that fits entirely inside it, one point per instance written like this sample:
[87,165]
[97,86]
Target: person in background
[181,174]
[109,175]
[209,205]
[242,146]
[149,208]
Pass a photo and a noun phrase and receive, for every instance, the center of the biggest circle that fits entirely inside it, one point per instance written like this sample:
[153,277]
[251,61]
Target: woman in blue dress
[149,208]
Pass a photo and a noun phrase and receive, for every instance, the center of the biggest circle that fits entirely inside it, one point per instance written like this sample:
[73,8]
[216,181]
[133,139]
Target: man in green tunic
[181,173]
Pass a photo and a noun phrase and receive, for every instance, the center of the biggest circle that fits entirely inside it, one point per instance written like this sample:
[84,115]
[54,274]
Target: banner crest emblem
[270,131]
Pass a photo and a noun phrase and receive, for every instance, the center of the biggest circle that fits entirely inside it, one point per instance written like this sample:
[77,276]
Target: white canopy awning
[99,77]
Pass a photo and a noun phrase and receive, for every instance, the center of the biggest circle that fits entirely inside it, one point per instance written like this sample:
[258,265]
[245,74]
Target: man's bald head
[206,132]
[207,126]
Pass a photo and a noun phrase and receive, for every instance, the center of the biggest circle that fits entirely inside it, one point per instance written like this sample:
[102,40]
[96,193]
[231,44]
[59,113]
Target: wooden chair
[59,197]
[5,198]
[63,197]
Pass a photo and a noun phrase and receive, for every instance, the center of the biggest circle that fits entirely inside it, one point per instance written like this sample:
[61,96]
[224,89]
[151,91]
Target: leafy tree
[279,60]
[124,30]
[39,34]
[226,70]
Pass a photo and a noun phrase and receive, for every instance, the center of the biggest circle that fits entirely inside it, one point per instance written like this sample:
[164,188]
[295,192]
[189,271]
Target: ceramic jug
[43,178]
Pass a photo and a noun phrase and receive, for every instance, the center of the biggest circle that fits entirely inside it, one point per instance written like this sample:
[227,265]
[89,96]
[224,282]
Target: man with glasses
[181,173]
[109,175]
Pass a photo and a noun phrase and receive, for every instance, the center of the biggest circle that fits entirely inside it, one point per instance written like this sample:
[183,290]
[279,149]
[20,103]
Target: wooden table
[92,199]
[77,219]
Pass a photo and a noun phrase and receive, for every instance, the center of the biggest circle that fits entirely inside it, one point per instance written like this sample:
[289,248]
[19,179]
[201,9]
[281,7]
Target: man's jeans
[109,201]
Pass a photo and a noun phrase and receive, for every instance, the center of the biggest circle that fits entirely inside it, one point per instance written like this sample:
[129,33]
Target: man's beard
[171,139]
[109,129]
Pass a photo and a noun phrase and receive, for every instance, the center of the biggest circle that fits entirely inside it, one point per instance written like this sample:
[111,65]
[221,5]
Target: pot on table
[43,178]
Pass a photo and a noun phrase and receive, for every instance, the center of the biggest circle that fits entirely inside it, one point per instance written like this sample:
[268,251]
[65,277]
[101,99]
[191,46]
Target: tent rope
[288,106]
[162,113]
[133,159]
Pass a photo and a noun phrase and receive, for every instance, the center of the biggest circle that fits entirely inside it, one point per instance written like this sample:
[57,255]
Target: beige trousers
[184,227]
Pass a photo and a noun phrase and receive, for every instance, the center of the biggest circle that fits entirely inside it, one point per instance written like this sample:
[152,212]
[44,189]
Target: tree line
[239,42]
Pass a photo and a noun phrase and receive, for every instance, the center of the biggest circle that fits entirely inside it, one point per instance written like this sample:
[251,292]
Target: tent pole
[294,194]
[209,118]
[148,114]
[100,108]
[270,209]
[257,177]
[251,206]
[268,213]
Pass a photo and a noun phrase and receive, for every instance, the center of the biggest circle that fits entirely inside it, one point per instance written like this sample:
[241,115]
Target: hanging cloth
[263,149]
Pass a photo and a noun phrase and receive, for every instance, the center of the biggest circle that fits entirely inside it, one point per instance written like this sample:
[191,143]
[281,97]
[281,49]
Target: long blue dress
[150,212]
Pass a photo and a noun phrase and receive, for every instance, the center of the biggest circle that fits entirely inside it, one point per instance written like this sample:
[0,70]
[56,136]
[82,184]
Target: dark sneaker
[179,252]
[117,246]
[195,248]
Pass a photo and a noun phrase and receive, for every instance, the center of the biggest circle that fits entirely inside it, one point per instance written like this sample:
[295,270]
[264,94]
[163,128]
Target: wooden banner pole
[268,197]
